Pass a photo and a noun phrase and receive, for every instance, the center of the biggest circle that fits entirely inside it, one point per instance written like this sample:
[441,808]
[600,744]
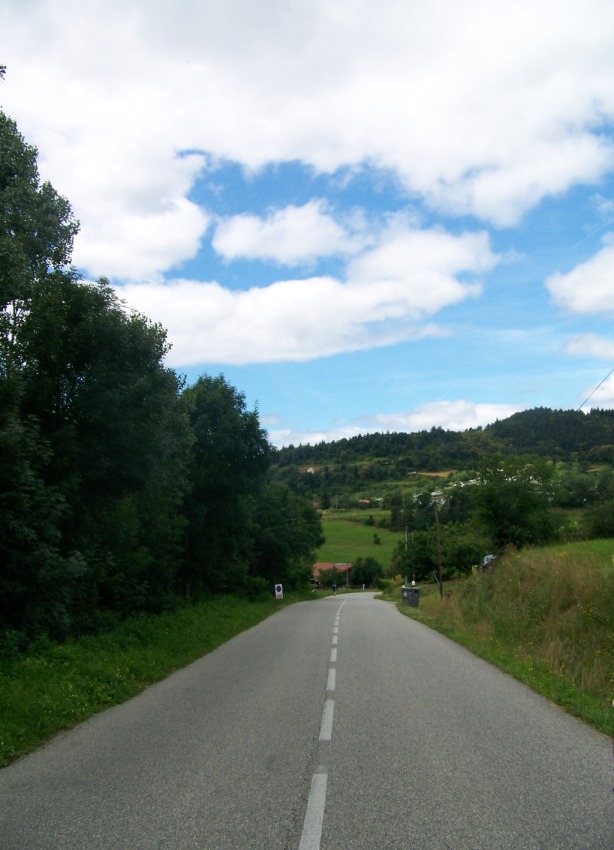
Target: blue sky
[368,217]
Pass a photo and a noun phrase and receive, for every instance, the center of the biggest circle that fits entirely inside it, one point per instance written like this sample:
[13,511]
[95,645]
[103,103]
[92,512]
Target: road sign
[279,591]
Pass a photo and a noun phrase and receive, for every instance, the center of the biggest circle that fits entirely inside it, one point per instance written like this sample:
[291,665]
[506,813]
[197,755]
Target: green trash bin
[411,595]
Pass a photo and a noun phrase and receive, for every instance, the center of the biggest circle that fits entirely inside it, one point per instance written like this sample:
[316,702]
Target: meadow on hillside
[348,539]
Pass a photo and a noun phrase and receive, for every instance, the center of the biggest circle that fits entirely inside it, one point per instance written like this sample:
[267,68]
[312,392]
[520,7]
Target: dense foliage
[120,489]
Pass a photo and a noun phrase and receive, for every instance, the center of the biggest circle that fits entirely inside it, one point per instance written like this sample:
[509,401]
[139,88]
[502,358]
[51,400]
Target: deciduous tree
[229,460]
[286,534]
[512,498]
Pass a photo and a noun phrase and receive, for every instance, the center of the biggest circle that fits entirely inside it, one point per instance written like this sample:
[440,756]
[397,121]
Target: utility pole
[406,577]
[439,575]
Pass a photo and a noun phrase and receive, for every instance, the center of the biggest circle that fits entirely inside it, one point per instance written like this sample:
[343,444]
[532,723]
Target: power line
[595,390]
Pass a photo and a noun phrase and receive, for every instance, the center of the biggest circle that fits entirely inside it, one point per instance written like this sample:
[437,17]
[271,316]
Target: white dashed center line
[314,816]
[312,828]
[326,727]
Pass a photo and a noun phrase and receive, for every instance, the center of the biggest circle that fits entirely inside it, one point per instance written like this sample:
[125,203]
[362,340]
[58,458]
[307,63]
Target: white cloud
[281,437]
[604,206]
[139,247]
[295,320]
[589,287]
[450,415]
[590,345]
[420,268]
[478,107]
[503,194]
[388,296]
[288,236]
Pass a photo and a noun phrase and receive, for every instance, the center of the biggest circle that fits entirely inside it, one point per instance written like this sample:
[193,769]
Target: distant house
[322,566]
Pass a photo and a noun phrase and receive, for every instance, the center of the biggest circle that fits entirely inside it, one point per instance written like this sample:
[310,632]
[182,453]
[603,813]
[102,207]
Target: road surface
[336,724]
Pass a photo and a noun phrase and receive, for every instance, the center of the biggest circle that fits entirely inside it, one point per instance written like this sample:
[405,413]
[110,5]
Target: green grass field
[347,540]
[602,549]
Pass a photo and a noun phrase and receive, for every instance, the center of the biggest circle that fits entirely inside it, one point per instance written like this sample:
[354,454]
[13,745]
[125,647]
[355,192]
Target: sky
[385,216]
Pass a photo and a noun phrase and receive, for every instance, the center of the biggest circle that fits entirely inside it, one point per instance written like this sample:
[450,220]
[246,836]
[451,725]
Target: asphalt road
[334,725]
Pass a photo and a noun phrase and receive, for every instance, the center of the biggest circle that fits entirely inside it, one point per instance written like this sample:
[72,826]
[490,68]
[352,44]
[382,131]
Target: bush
[600,520]
[332,576]
[366,571]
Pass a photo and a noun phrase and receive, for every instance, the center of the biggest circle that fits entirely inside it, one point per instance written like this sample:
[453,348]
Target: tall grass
[545,616]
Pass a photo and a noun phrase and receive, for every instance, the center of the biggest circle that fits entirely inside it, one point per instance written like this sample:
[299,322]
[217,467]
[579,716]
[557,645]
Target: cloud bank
[389,292]
[478,108]
[469,115]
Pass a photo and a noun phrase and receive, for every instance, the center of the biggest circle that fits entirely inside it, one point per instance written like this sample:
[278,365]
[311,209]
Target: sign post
[279,591]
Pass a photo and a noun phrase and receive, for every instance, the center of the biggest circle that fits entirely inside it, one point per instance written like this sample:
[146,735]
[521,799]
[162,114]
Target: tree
[366,571]
[36,234]
[332,576]
[574,486]
[37,229]
[35,580]
[109,411]
[512,499]
[229,460]
[600,520]
[418,559]
[463,545]
[286,532]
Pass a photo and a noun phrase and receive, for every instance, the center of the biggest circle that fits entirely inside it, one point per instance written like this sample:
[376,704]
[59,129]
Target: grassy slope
[546,616]
[347,540]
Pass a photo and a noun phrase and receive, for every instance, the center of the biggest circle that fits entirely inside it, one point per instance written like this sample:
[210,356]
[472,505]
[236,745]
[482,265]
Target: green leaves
[37,226]
[512,499]
[230,456]
[286,534]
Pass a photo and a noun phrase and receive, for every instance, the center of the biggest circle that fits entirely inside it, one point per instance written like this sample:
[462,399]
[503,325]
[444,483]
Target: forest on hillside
[579,447]
[121,489]
[540,476]
[568,435]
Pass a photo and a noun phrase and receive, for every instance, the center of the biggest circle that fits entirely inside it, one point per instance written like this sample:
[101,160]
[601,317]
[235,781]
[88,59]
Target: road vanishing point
[336,724]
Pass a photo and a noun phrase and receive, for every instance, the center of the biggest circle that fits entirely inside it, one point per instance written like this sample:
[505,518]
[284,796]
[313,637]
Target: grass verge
[56,686]
[545,617]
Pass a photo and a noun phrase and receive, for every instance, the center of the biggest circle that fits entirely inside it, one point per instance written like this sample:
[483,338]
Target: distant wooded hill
[567,435]
[538,476]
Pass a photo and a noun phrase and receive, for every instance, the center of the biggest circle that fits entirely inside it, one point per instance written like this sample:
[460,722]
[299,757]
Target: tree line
[121,488]
[566,435]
